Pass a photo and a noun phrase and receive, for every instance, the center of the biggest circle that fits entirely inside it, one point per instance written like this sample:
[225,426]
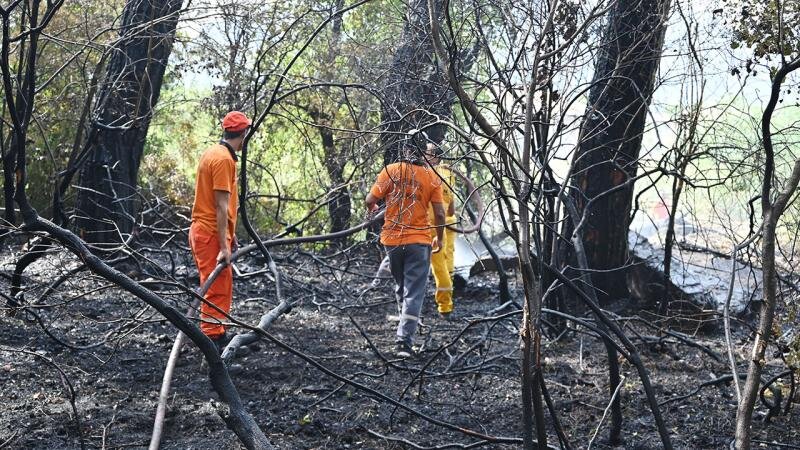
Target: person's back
[448,180]
[216,170]
[408,189]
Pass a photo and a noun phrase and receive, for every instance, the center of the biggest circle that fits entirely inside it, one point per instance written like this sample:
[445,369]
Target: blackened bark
[21,109]
[9,215]
[339,203]
[607,161]
[106,203]
[416,90]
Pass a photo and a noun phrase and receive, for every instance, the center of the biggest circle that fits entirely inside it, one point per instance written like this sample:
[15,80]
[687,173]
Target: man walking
[442,263]
[408,187]
[214,223]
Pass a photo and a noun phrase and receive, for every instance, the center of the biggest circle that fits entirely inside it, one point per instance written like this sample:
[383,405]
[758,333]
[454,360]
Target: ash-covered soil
[112,348]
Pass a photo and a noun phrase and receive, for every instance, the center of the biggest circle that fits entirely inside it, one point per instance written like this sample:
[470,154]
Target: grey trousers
[410,266]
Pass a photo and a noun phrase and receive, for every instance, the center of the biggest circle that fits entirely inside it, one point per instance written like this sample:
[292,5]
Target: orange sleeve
[383,185]
[223,174]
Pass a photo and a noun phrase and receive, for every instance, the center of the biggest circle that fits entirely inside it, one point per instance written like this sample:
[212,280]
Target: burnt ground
[475,384]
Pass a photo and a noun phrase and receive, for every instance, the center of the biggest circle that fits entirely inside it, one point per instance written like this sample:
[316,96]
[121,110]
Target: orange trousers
[205,248]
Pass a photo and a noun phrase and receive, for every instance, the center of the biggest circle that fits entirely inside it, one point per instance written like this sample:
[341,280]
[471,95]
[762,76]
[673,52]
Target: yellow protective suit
[442,263]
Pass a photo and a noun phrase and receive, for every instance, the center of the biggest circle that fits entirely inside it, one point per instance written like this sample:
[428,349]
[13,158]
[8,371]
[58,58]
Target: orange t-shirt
[408,189]
[216,171]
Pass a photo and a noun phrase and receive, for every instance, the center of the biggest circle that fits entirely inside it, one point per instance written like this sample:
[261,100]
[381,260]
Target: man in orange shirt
[211,235]
[408,187]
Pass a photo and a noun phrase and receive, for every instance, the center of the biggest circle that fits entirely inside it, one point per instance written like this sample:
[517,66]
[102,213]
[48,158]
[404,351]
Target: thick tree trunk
[416,90]
[106,203]
[607,160]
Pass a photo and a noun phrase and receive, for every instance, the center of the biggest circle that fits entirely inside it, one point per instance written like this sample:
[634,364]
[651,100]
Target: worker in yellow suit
[442,263]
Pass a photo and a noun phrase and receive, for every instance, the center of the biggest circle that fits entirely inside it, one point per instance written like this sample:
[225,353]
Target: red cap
[235,121]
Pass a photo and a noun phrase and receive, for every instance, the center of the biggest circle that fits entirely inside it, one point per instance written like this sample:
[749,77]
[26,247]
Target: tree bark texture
[106,201]
[611,136]
[416,90]
[339,202]
[324,115]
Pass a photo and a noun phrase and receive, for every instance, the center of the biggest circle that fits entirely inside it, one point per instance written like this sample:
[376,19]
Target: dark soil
[474,384]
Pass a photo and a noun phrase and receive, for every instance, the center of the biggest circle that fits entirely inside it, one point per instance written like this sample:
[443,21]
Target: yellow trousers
[442,266]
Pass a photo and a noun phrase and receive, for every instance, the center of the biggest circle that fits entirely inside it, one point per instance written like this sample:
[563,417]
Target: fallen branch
[322,368]
[716,381]
[236,417]
[239,340]
[605,412]
[166,381]
[679,336]
[437,447]
[775,444]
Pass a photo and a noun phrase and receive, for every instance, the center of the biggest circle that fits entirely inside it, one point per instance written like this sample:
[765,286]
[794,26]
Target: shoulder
[393,167]
[444,170]
[386,170]
[393,170]
[217,154]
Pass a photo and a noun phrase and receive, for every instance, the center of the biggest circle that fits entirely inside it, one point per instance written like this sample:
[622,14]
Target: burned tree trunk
[9,214]
[606,163]
[20,109]
[416,90]
[106,201]
[339,201]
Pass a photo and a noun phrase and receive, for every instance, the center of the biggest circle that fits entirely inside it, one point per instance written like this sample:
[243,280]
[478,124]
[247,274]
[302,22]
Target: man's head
[234,128]
[433,153]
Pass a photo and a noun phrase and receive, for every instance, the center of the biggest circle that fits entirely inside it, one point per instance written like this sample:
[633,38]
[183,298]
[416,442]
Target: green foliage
[239,56]
[68,55]
[769,27]
[178,134]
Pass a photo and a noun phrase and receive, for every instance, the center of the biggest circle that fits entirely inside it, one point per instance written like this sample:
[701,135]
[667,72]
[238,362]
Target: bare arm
[451,209]
[438,222]
[221,199]
[371,202]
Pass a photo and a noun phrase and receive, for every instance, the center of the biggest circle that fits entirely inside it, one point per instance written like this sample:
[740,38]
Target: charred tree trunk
[106,202]
[417,93]
[339,203]
[21,110]
[606,163]
[9,215]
